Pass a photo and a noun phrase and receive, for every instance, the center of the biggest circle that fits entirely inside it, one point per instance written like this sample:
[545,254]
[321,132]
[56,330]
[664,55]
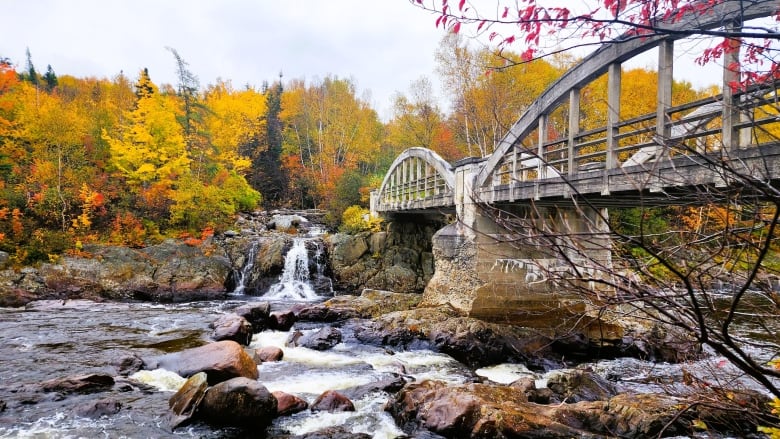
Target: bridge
[664,157]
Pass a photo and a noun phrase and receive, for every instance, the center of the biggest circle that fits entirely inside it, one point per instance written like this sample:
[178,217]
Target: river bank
[450,375]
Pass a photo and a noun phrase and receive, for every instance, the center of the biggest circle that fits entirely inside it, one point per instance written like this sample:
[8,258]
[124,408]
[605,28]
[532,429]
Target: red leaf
[456,28]
[460,5]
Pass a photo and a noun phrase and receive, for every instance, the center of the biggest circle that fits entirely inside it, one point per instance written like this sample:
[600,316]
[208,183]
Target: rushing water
[55,339]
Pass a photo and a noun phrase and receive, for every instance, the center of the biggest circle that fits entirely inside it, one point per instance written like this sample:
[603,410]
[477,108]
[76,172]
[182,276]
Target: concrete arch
[598,62]
[442,167]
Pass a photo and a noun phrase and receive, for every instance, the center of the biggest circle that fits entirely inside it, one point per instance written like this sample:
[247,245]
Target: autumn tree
[418,121]
[486,101]
[328,132]
[711,267]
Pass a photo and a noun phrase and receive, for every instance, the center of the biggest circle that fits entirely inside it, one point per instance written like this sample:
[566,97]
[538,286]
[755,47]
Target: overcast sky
[382,45]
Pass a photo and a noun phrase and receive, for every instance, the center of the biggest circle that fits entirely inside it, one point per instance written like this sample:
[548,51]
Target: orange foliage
[126,229]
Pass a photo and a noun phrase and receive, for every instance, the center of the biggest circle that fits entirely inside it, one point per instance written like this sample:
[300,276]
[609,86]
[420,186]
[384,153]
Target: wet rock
[186,400]
[370,304]
[574,385]
[232,327]
[485,410]
[281,321]
[89,383]
[321,340]
[221,360]
[255,313]
[128,365]
[238,402]
[268,354]
[2,406]
[99,408]
[333,433]
[15,297]
[390,384]
[332,401]
[288,404]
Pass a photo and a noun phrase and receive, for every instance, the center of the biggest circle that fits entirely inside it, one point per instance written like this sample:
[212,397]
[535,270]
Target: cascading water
[243,274]
[294,283]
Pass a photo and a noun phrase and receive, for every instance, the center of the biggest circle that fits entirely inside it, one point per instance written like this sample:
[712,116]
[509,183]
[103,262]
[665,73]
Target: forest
[126,161]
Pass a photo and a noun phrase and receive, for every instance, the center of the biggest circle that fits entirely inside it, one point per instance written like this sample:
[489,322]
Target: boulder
[268,354]
[98,409]
[232,327]
[390,384]
[335,433]
[221,360]
[128,364]
[238,402]
[486,410]
[89,383]
[186,400]
[255,313]
[288,404]
[281,321]
[370,304]
[332,401]
[574,385]
[321,340]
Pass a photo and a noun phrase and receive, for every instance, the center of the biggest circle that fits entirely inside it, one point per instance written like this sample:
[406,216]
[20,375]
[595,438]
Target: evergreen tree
[31,75]
[50,78]
[267,175]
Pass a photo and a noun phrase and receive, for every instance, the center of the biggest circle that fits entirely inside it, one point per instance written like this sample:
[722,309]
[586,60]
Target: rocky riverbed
[603,379]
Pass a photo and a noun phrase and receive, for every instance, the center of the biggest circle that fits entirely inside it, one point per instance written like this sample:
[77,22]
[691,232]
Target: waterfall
[246,270]
[294,282]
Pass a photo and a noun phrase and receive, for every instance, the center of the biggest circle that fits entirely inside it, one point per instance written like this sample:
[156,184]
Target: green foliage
[356,219]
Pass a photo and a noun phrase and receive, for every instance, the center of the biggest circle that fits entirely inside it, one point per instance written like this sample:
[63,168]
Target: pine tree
[50,78]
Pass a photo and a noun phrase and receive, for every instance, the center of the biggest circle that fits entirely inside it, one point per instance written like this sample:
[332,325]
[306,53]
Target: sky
[381,45]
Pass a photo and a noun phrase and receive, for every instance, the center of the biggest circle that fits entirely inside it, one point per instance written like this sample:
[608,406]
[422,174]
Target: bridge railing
[693,127]
[418,179]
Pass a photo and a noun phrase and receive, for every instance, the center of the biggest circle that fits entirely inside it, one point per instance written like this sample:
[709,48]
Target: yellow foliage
[356,219]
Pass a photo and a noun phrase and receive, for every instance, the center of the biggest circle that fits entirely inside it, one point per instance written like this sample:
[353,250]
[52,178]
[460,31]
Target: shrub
[356,219]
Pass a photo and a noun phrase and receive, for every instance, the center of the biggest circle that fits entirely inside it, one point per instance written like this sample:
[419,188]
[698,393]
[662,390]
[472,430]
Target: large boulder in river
[184,403]
[321,340]
[232,327]
[370,304]
[220,361]
[239,402]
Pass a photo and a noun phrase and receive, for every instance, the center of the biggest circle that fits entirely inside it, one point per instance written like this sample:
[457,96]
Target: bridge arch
[418,179]
[607,59]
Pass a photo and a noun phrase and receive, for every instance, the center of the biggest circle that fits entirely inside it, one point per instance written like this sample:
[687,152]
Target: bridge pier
[523,276]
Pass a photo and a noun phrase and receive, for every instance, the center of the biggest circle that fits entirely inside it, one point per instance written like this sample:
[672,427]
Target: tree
[330,132]
[50,78]
[538,29]
[711,265]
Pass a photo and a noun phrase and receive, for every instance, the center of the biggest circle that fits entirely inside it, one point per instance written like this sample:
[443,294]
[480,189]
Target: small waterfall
[294,283]
[246,270]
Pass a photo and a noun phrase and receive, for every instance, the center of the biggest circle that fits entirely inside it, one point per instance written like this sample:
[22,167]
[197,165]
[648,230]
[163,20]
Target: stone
[281,321]
[98,409]
[321,340]
[288,404]
[255,313]
[128,364]
[268,354]
[232,327]
[391,384]
[89,383]
[238,402]
[332,401]
[336,433]
[221,360]
[184,403]
[574,385]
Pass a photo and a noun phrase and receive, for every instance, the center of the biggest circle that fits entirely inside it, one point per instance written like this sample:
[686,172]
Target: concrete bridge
[569,182]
